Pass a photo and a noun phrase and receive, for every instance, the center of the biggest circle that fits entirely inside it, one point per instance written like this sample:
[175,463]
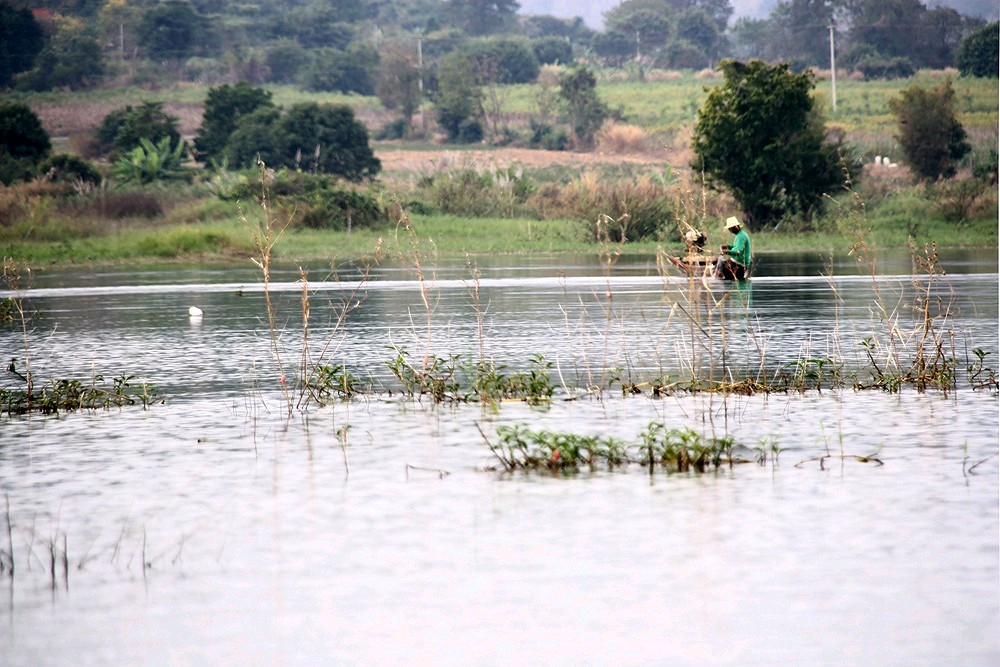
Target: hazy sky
[593,11]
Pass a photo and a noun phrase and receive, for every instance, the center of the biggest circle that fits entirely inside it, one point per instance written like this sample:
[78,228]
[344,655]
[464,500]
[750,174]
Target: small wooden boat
[695,265]
[704,265]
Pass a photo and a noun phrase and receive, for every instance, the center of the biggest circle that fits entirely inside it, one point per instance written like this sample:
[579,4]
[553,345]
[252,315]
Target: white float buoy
[886,161]
[195,312]
[878,159]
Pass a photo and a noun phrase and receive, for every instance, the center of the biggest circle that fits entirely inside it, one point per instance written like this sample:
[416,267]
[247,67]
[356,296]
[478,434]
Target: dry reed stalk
[266,234]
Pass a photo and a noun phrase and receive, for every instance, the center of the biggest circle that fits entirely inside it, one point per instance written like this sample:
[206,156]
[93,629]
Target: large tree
[169,31]
[224,106]
[23,142]
[483,17]
[322,138]
[931,137]
[761,136]
[21,40]
[977,54]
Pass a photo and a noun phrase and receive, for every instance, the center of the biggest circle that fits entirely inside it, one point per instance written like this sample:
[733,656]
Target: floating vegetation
[681,450]
[657,447]
[449,379]
[56,396]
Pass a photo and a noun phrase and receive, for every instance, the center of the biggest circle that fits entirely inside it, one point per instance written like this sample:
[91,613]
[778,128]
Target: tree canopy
[761,136]
[930,135]
[21,40]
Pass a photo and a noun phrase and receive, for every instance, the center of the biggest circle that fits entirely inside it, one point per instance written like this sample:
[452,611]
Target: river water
[220,528]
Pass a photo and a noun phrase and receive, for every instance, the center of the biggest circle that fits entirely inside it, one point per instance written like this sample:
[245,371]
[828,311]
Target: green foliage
[435,377]
[285,60]
[343,210]
[66,395]
[877,66]
[482,17]
[761,136]
[149,162]
[677,449]
[490,382]
[63,168]
[459,99]
[224,106]
[171,30]
[978,53]
[547,137]
[398,85]
[480,193]
[624,210]
[21,132]
[553,50]
[932,139]
[503,60]
[23,142]
[319,138]
[72,59]
[325,383]
[353,70]
[21,40]
[584,109]
[123,129]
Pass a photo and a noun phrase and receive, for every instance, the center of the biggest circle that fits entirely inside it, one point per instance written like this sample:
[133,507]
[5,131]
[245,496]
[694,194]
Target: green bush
[353,70]
[63,168]
[224,106]
[635,210]
[123,129]
[881,67]
[285,61]
[978,53]
[472,193]
[553,50]
[21,40]
[932,139]
[23,142]
[503,60]
[323,138]
[149,162]
[343,210]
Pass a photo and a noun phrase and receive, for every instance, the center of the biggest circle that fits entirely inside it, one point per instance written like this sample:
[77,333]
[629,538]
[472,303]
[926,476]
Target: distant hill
[593,12]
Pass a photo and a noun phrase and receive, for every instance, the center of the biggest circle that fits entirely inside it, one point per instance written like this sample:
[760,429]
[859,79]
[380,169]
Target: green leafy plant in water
[810,373]
[489,382]
[8,310]
[326,382]
[523,448]
[61,395]
[980,375]
[684,448]
[151,162]
[435,377]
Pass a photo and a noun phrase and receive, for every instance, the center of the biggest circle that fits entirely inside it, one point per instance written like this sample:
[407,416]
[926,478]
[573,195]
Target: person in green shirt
[735,261]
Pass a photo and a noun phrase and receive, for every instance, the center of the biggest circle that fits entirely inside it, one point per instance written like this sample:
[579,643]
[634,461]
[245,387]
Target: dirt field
[423,161]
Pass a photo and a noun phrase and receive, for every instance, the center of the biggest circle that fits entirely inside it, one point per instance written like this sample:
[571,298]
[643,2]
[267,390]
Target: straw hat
[732,222]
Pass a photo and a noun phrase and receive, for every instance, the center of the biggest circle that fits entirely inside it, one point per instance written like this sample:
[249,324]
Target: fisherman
[735,260]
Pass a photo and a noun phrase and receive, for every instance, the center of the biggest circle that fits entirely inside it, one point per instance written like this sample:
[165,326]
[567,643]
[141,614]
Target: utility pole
[420,80]
[833,68]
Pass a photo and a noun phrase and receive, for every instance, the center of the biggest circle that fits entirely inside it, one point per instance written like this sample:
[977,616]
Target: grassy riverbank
[225,234]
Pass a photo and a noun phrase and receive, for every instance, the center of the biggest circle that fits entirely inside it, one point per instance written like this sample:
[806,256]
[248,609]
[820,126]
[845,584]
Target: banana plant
[149,162]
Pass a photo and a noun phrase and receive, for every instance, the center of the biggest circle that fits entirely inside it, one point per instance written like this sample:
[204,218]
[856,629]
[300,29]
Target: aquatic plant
[684,449]
[522,448]
[980,376]
[491,382]
[63,395]
[325,382]
[435,377]
[679,449]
